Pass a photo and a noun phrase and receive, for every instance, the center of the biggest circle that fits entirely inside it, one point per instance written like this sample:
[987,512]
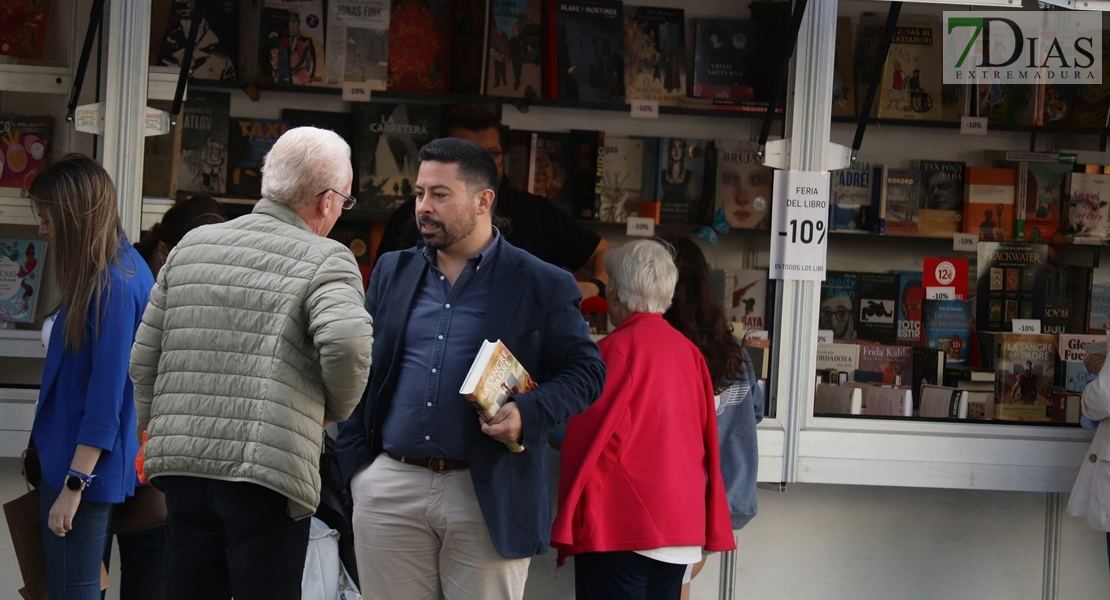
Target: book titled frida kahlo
[495,376]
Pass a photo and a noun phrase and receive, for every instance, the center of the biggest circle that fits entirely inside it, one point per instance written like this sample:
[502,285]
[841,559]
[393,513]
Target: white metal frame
[34,79]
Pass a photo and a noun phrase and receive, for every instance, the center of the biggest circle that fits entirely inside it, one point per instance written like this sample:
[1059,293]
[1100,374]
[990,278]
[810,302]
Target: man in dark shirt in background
[527,221]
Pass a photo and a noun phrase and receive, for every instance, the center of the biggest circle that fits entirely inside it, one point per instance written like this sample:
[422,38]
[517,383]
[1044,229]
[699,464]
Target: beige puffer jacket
[255,333]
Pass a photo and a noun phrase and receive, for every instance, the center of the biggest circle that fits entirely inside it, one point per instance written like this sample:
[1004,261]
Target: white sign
[965,242]
[824,336]
[356,91]
[1018,47]
[940,293]
[799,231]
[89,118]
[645,109]
[157,122]
[640,226]
[1027,325]
[973,125]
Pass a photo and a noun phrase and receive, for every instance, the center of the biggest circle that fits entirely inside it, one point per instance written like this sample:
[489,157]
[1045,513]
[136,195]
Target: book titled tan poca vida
[494,376]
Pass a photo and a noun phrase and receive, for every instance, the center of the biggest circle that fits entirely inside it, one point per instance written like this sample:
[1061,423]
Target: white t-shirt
[675,555]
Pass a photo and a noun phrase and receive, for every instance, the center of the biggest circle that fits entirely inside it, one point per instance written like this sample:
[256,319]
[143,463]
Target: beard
[443,237]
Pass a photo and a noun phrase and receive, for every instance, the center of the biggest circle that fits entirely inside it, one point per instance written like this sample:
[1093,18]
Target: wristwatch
[77,481]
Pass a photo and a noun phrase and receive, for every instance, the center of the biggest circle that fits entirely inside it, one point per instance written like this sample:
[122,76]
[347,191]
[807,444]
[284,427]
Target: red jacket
[640,467]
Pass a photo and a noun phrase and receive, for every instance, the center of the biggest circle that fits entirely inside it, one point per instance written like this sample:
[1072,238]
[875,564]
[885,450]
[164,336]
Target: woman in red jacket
[640,488]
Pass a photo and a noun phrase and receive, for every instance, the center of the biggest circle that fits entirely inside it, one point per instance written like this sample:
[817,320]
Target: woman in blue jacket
[84,426]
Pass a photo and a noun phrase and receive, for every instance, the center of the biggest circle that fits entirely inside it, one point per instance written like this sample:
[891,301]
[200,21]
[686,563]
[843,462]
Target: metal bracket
[96,17]
[777,155]
[89,118]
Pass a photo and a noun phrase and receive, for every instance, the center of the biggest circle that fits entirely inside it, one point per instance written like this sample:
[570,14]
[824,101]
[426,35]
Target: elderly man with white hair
[254,339]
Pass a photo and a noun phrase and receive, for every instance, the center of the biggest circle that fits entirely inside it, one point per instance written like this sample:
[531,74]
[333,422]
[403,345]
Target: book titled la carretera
[494,377]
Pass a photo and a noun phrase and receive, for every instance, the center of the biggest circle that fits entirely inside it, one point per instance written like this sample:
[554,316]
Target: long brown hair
[78,198]
[695,313]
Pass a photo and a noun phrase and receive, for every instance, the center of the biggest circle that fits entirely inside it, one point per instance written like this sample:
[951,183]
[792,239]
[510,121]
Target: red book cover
[23,27]
[946,273]
[419,47]
[551,49]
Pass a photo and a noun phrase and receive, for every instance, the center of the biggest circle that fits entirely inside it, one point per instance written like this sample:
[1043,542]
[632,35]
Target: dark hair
[476,166]
[696,314]
[180,219]
[470,117]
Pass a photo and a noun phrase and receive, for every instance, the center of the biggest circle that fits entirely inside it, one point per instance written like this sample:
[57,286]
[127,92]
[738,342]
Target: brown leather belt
[437,465]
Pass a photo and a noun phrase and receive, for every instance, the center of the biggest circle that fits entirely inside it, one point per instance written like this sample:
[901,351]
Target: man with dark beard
[442,508]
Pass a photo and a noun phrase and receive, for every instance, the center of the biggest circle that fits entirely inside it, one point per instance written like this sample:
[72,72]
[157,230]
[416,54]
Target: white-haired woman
[640,488]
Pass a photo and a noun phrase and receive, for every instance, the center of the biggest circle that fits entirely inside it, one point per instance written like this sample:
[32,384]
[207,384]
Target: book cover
[217,43]
[274,66]
[250,140]
[843,358]
[680,180]
[844,85]
[832,399]
[946,272]
[1098,317]
[746,297]
[550,168]
[887,401]
[851,197]
[1072,351]
[24,143]
[1006,104]
[495,376]
[839,304]
[621,179]
[302,40]
[654,54]
[590,46]
[587,147]
[358,43]
[1024,376]
[989,202]
[911,299]
[470,22]
[947,325]
[928,368]
[387,140]
[20,278]
[724,59]
[1054,103]
[744,185]
[332,121]
[878,302]
[902,197]
[1042,196]
[912,74]
[515,42]
[943,403]
[942,206]
[419,47]
[1066,297]
[886,364]
[1088,201]
[1012,284]
[204,139]
[23,28]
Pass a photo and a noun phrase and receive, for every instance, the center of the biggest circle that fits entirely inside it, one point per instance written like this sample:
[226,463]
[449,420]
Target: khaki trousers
[421,535]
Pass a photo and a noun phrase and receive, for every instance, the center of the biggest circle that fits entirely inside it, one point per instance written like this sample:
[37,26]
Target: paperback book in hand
[494,377]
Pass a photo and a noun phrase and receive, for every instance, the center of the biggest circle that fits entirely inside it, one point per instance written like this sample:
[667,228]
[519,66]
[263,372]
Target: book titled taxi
[494,377]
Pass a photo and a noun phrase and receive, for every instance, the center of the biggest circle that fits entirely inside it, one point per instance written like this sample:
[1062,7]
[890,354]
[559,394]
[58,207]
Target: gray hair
[304,162]
[644,275]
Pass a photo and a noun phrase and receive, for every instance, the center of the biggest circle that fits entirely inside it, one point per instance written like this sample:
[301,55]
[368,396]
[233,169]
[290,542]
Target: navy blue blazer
[86,395]
[534,311]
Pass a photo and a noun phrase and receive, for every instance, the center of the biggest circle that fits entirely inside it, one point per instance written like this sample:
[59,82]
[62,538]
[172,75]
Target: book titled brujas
[654,54]
[419,44]
[680,182]
[387,140]
[743,185]
[514,49]
[20,278]
[590,47]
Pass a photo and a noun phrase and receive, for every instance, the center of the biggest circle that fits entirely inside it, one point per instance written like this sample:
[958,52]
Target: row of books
[912,87]
[1025,377]
[590,50]
[1031,196]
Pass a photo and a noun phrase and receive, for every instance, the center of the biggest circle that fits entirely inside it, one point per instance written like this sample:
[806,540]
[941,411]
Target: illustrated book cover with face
[204,143]
[301,41]
[515,41]
[912,73]
[839,305]
[654,54]
[20,278]
[744,185]
[942,205]
[681,180]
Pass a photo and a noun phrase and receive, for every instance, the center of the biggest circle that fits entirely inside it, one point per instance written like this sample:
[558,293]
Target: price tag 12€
[645,109]
[1027,325]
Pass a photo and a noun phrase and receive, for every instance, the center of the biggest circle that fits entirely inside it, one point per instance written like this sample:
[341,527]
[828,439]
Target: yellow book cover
[494,376]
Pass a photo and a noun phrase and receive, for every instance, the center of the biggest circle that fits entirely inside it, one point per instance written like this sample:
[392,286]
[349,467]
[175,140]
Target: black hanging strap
[783,69]
[96,17]
[876,74]
[187,59]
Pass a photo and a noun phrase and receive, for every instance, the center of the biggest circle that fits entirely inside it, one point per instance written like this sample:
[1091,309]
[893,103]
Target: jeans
[228,538]
[625,576]
[73,561]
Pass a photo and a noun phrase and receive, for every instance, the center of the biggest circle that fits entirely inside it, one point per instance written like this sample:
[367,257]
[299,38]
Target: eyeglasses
[348,201]
[840,314]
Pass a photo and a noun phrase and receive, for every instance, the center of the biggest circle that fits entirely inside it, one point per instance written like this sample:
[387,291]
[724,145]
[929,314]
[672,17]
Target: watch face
[74,483]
